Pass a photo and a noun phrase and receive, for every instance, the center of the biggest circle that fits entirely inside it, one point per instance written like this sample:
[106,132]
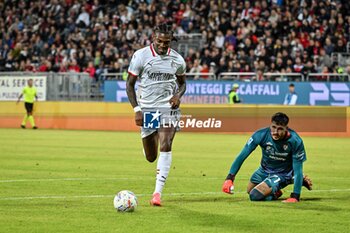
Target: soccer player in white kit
[161,71]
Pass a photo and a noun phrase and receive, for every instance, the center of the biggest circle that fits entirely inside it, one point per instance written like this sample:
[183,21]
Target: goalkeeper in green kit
[29,93]
[283,155]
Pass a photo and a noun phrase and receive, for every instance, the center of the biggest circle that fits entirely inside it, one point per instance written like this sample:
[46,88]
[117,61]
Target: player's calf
[150,145]
[260,192]
[256,195]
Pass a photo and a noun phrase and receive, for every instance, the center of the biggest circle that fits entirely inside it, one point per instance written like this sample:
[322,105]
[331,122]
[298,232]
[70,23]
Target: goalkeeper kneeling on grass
[282,160]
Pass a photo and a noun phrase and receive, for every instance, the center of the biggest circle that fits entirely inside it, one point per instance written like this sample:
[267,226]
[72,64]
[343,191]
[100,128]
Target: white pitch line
[144,194]
[67,179]
[103,178]
[131,178]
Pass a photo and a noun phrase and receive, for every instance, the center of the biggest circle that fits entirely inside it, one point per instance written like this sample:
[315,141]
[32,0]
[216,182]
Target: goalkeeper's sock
[274,196]
[163,167]
[31,120]
[269,197]
[24,122]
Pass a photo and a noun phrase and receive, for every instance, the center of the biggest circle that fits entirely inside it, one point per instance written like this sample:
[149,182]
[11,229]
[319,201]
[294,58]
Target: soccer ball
[125,201]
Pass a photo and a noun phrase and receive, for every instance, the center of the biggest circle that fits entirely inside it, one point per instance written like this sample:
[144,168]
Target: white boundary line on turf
[143,194]
[67,179]
[130,178]
[104,178]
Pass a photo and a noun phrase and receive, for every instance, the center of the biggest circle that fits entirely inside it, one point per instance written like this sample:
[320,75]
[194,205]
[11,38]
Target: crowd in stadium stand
[241,36]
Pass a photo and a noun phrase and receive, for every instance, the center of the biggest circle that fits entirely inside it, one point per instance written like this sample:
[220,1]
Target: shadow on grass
[215,222]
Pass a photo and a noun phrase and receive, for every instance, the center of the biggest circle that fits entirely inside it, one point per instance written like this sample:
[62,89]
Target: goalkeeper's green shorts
[274,181]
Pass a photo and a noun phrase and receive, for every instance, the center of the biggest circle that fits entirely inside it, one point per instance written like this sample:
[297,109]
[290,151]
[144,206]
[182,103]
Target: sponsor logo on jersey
[160,76]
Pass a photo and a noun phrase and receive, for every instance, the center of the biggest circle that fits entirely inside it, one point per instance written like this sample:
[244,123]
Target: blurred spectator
[291,97]
[233,97]
[259,36]
[91,70]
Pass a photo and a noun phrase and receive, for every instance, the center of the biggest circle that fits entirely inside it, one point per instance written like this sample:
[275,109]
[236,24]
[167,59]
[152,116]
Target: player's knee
[255,195]
[151,157]
[249,189]
[166,147]
[151,160]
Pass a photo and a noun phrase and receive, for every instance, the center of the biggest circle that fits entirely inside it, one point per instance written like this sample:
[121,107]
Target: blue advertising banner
[216,92]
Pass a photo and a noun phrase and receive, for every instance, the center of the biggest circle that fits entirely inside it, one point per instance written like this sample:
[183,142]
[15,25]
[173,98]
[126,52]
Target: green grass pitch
[65,181]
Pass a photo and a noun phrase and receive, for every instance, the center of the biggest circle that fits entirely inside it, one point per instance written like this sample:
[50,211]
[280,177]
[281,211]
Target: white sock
[163,167]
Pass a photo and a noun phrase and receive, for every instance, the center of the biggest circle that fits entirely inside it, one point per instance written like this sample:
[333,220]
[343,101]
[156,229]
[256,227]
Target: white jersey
[157,74]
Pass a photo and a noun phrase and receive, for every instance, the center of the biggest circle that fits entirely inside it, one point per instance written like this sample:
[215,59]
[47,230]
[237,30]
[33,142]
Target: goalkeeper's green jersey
[277,156]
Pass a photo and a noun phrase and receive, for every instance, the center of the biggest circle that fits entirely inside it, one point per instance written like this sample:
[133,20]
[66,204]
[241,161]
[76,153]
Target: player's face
[162,43]
[30,82]
[278,131]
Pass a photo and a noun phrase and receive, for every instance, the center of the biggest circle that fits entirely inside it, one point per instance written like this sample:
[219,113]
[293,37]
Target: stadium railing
[251,76]
[111,76]
[186,41]
[190,76]
[236,76]
[341,59]
[69,86]
[328,77]
[80,87]
[284,77]
[61,86]
[200,76]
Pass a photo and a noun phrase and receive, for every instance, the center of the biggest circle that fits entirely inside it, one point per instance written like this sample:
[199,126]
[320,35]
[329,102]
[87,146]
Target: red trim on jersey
[169,50]
[152,50]
[288,135]
[132,74]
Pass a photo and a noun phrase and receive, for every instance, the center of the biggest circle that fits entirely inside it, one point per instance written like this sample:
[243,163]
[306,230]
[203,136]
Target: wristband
[295,195]
[137,109]
[230,177]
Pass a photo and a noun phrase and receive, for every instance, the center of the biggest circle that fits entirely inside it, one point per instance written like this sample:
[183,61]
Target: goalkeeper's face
[162,42]
[278,131]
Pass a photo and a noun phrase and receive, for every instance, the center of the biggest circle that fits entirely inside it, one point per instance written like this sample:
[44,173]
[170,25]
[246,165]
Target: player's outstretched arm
[298,182]
[228,185]
[175,100]
[130,90]
[19,98]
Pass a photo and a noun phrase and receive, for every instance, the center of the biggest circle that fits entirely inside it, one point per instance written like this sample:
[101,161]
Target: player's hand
[138,118]
[307,182]
[290,200]
[228,187]
[175,102]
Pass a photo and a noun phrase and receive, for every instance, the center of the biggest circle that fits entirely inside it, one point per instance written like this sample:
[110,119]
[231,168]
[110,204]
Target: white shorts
[167,119]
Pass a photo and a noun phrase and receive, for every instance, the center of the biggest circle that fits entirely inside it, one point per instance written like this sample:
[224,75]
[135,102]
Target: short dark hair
[291,85]
[280,118]
[165,28]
